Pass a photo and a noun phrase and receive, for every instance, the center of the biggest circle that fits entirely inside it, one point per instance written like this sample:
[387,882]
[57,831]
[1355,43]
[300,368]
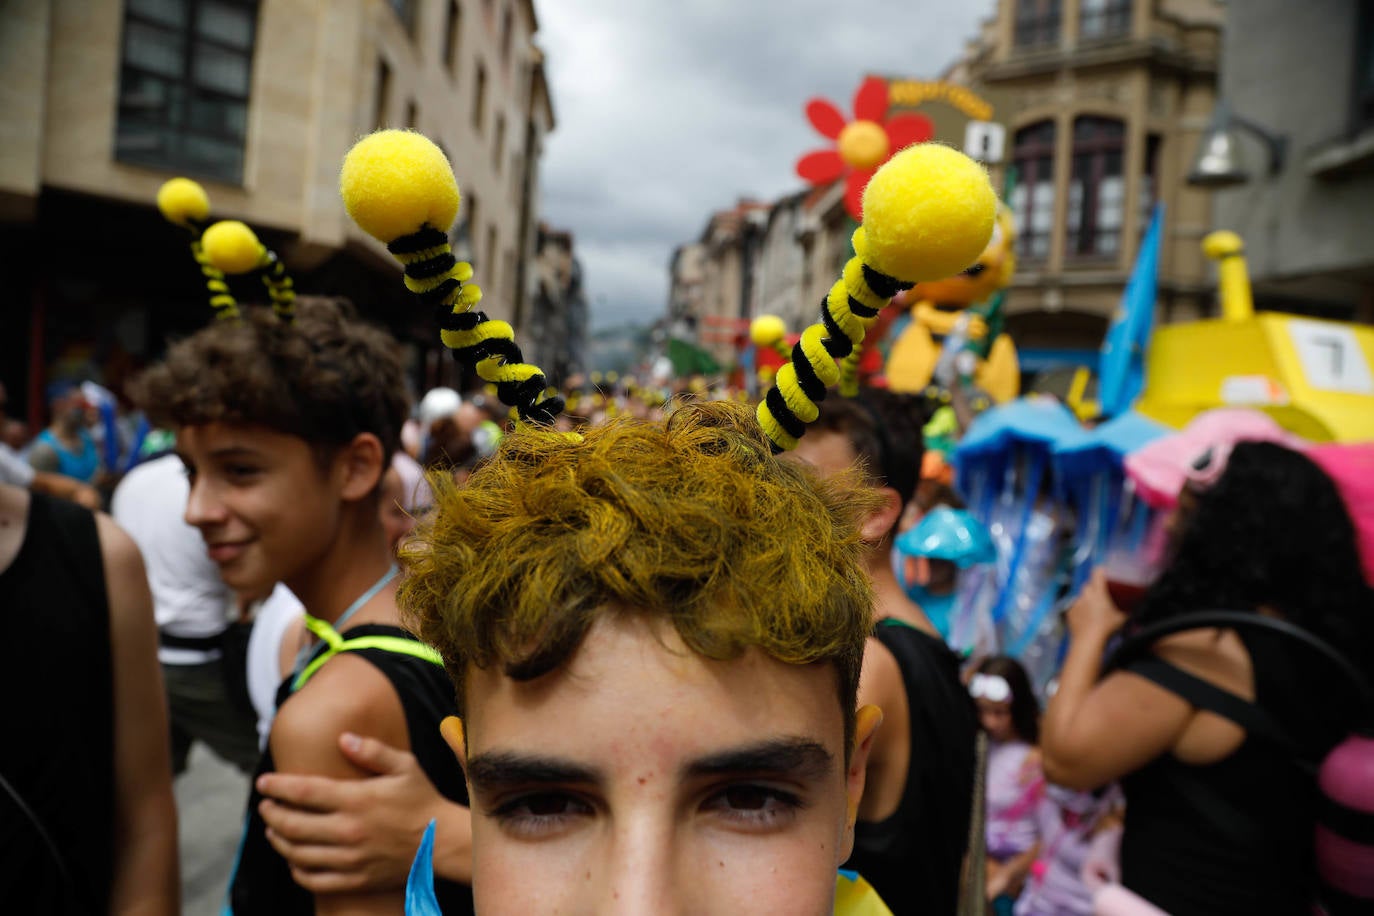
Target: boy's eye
[540,814]
[240,470]
[754,806]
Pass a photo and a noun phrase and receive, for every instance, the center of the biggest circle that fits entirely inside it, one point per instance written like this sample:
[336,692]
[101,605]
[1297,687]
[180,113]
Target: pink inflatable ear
[1345,858]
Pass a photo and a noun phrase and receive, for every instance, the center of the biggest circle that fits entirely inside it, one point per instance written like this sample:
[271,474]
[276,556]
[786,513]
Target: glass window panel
[226,23]
[1111,194]
[220,158]
[225,71]
[140,139]
[219,116]
[168,12]
[151,48]
[142,94]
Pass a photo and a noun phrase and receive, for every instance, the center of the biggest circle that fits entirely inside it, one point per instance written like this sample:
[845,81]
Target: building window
[499,152]
[405,12]
[1149,182]
[479,99]
[1032,195]
[184,85]
[1037,23]
[464,235]
[452,36]
[1100,20]
[507,35]
[1364,67]
[381,99]
[1097,189]
[489,264]
[412,114]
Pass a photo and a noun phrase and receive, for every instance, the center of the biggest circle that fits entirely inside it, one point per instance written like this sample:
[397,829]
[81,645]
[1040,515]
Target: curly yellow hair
[692,519]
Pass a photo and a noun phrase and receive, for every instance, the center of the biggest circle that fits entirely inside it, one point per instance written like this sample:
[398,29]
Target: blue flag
[1121,371]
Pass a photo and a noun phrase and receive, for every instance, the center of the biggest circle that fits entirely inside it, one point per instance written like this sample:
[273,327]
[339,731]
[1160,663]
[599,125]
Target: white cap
[437,404]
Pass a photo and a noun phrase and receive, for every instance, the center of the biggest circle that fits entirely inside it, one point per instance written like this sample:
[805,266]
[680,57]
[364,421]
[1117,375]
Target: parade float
[1061,497]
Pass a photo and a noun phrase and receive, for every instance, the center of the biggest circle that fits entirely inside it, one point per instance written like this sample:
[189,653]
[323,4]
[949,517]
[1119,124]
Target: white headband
[991,687]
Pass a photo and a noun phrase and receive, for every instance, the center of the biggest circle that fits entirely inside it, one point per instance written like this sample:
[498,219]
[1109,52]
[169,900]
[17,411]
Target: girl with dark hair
[1220,814]
[1010,714]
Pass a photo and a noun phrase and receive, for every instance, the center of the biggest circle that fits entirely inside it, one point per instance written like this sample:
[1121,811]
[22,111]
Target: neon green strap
[398,645]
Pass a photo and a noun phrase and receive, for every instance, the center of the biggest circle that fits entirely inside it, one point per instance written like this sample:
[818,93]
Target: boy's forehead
[637,670]
[224,434]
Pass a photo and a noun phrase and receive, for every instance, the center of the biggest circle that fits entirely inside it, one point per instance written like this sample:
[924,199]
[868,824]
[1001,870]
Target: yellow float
[1314,377]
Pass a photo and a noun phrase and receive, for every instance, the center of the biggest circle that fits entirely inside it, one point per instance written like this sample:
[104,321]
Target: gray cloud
[669,111]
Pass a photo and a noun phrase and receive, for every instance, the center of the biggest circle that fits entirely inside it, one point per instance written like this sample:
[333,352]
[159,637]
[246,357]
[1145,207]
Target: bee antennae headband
[184,203]
[928,214]
[233,248]
[399,188]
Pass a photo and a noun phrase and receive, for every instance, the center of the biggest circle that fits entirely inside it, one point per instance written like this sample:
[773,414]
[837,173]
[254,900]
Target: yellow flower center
[863,145]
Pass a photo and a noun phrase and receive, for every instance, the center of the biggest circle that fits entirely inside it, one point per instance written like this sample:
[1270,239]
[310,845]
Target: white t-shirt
[270,624]
[14,470]
[189,598]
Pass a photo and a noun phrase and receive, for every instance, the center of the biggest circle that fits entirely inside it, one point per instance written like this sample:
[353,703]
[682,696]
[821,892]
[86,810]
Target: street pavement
[211,796]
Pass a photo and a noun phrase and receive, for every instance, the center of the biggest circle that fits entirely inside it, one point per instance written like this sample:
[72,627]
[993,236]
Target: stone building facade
[1103,104]
[259,100]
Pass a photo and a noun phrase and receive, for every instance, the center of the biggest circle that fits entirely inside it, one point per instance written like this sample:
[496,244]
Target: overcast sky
[668,111]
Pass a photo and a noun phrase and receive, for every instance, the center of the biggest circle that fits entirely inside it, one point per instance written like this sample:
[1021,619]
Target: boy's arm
[348,694]
[146,880]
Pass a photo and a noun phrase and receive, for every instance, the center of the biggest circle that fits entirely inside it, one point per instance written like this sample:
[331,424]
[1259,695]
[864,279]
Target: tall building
[1306,223]
[556,324]
[713,283]
[1103,103]
[259,101]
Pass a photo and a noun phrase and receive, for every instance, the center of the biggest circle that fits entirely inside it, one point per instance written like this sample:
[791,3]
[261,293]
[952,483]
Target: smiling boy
[286,431]
[655,635]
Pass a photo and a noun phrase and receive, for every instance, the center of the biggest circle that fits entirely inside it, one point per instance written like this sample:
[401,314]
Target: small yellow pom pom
[232,247]
[928,213]
[767,330]
[396,181]
[182,200]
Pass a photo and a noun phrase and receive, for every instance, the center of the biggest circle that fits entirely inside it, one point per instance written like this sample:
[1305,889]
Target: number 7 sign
[1331,357]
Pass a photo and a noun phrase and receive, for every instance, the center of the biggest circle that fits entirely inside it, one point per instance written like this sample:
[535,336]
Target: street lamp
[1219,163]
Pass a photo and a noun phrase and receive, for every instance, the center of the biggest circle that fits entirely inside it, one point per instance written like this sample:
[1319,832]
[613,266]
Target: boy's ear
[362,463]
[455,736]
[866,724]
[880,522]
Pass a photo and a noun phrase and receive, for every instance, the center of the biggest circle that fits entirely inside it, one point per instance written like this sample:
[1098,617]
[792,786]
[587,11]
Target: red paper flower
[862,145]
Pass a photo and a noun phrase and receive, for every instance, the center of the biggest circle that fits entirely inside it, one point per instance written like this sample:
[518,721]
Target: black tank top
[913,857]
[262,880]
[1235,836]
[57,680]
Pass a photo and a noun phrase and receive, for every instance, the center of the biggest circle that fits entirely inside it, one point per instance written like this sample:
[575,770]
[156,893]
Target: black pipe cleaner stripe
[810,382]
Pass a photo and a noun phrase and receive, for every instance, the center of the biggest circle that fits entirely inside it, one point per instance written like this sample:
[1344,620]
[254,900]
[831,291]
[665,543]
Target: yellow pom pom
[767,330]
[232,247]
[182,200]
[396,181]
[928,213]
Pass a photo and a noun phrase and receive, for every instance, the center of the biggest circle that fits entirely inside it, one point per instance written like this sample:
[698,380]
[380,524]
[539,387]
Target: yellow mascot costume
[971,299]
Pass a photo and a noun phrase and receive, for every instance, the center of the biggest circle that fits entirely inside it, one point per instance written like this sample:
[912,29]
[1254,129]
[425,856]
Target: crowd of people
[643,665]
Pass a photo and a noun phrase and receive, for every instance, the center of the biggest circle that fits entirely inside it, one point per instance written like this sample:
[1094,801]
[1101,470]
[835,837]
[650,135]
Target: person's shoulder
[347,694]
[119,553]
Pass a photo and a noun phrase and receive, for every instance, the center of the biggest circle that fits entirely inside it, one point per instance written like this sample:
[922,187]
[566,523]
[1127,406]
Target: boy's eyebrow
[800,758]
[500,769]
